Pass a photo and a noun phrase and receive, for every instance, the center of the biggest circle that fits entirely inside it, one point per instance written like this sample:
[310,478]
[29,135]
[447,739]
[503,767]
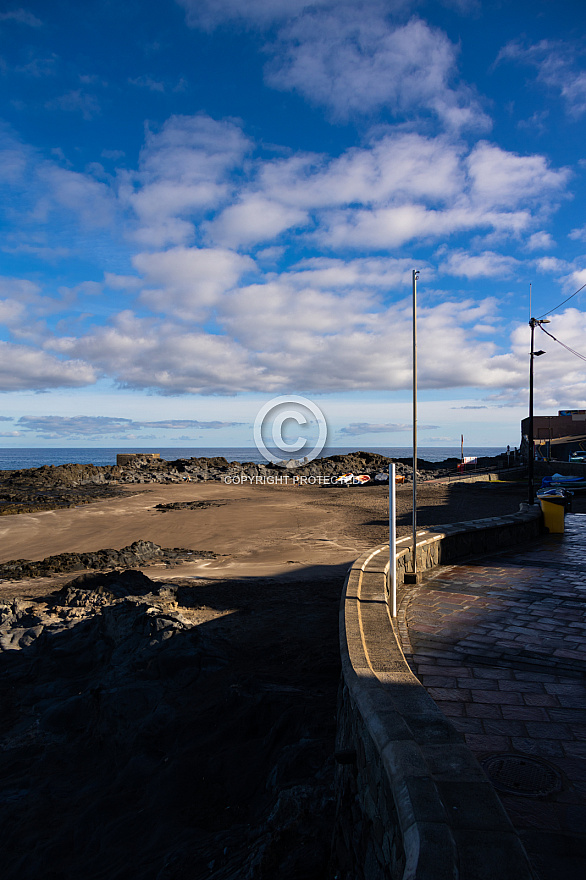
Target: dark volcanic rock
[136,743]
[49,487]
[140,553]
[189,505]
[109,585]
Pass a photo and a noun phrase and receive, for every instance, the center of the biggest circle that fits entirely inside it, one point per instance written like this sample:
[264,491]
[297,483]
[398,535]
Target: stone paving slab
[500,645]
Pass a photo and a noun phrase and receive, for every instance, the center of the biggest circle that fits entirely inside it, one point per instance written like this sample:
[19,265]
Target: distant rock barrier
[134,468]
[412,801]
[124,458]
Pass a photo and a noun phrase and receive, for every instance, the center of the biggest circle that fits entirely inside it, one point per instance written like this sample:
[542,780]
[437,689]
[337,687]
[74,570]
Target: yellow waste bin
[553,515]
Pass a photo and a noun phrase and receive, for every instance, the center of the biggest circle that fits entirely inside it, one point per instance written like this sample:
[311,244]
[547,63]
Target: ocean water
[16,459]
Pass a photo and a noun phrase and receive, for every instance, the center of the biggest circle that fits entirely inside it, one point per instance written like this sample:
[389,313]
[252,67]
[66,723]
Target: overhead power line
[560,305]
[559,342]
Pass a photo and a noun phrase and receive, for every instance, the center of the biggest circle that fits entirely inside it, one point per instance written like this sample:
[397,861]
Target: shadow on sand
[133,744]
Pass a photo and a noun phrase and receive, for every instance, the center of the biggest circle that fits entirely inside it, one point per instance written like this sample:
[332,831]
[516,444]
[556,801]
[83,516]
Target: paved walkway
[500,644]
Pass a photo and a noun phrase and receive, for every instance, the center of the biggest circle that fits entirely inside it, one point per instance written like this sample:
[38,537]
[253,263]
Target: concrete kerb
[442,802]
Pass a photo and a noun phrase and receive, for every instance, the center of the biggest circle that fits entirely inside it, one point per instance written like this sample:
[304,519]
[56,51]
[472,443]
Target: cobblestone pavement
[500,644]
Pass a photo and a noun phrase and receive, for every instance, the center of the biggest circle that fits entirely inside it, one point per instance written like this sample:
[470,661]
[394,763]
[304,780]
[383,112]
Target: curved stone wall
[412,801]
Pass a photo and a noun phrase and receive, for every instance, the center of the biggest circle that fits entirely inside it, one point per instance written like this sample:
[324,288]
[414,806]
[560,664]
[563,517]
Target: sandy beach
[254,529]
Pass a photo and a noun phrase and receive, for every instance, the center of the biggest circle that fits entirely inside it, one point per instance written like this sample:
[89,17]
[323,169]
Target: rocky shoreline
[59,486]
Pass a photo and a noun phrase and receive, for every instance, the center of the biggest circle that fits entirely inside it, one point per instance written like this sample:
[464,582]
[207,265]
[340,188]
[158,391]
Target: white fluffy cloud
[393,166]
[184,170]
[405,186]
[281,338]
[253,220]
[188,281]
[24,307]
[324,323]
[164,356]
[559,376]
[23,368]
[11,312]
[201,316]
[502,179]
[578,234]
[354,57]
[352,60]
[540,241]
[91,200]
[358,274]
[395,226]
[484,265]
[197,181]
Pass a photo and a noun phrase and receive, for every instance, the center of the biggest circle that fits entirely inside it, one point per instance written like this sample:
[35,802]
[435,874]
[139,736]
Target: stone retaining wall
[412,801]
[504,475]
[566,468]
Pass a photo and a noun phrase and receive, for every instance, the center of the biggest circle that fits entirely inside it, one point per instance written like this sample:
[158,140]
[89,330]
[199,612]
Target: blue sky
[209,203]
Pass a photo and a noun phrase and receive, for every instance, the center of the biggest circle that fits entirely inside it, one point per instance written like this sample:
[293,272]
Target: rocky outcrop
[188,505]
[218,469]
[140,553]
[22,622]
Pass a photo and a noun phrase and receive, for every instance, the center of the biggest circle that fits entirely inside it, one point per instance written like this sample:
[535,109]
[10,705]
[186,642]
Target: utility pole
[533,323]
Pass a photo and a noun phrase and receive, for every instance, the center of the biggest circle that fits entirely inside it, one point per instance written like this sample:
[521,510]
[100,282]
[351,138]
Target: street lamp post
[533,323]
[412,576]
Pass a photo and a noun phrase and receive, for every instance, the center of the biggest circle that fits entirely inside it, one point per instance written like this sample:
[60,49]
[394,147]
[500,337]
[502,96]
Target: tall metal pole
[533,323]
[531,453]
[392,539]
[415,277]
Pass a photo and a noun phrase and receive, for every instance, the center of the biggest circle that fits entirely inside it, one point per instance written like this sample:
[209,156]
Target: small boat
[561,478]
[384,478]
[343,479]
[558,480]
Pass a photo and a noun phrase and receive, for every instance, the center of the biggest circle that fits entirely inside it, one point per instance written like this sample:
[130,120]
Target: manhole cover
[522,774]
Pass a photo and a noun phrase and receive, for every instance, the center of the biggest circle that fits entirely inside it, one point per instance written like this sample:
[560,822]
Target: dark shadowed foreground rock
[141,739]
